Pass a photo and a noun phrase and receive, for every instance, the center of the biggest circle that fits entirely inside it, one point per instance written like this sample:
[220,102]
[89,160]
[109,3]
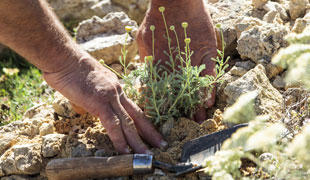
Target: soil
[88,130]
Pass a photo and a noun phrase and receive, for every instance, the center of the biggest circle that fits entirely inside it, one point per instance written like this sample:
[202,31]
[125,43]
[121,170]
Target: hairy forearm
[31,29]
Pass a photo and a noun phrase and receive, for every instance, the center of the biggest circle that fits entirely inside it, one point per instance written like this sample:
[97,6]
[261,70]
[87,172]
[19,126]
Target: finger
[129,129]
[113,126]
[144,126]
[201,115]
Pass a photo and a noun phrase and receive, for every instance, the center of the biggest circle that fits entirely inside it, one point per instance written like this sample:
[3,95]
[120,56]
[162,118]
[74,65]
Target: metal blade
[197,150]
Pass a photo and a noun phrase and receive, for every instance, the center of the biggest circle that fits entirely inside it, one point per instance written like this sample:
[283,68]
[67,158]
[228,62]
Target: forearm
[31,29]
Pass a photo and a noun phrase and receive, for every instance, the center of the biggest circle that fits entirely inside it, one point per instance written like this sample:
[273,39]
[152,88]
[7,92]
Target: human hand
[89,85]
[200,29]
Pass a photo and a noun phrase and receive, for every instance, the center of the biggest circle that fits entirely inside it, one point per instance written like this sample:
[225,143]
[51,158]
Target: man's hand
[31,29]
[96,89]
[200,30]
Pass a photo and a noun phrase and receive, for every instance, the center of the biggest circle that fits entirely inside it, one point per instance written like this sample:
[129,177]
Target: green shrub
[168,94]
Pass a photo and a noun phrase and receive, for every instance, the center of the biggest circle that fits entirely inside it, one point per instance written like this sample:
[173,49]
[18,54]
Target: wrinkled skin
[200,30]
[31,29]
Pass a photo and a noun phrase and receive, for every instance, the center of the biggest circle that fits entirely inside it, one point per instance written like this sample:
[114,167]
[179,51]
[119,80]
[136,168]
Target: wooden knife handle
[90,167]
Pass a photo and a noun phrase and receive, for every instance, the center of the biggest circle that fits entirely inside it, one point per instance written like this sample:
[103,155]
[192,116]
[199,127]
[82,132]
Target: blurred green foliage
[20,87]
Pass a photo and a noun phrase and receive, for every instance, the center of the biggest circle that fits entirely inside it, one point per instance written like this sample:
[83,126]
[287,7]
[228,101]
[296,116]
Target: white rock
[298,8]
[262,42]
[77,10]
[300,25]
[52,144]
[238,71]
[23,159]
[6,141]
[104,38]
[272,17]
[274,6]
[46,128]
[269,100]
[259,3]
[62,106]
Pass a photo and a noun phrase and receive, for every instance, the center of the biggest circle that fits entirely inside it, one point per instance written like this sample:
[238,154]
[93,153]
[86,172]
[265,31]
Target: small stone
[272,17]
[298,8]
[100,153]
[52,144]
[32,111]
[274,6]
[62,106]
[23,159]
[209,124]
[105,37]
[81,151]
[262,41]
[269,100]
[278,83]
[6,141]
[46,128]
[300,25]
[238,71]
[259,3]
[248,65]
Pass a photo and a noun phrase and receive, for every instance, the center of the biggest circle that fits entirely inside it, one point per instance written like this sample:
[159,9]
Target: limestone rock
[78,10]
[226,17]
[238,71]
[52,144]
[274,6]
[272,17]
[62,106]
[245,23]
[104,38]
[23,159]
[269,100]
[259,3]
[6,141]
[271,69]
[298,8]
[134,8]
[262,42]
[46,128]
[245,65]
[300,25]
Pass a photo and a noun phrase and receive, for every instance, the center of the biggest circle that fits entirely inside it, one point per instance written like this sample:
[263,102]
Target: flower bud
[162,9]
[152,27]
[184,24]
[172,28]
[187,40]
[148,58]
[128,29]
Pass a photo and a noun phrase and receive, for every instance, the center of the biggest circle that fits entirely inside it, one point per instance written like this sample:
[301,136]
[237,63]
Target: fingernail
[149,152]
[163,144]
[127,151]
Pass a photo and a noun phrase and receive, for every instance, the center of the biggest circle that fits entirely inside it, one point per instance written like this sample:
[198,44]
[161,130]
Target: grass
[20,90]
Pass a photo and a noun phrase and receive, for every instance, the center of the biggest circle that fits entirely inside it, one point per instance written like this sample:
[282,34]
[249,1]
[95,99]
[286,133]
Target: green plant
[20,87]
[175,93]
